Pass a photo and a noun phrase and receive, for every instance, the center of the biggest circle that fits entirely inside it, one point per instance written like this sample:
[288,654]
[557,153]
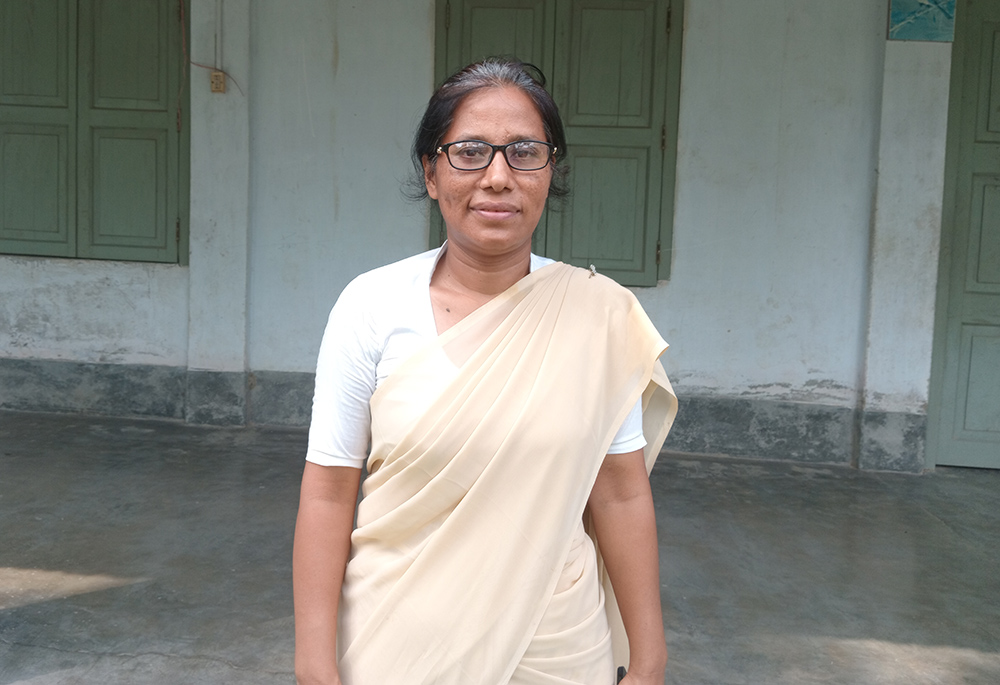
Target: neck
[479,275]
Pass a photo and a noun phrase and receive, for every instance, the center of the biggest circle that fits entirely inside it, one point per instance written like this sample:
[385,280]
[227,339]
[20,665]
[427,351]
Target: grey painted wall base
[893,442]
[763,429]
[280,398]
[216,398]
[732,426]
[204,397]
[796,431]
[114,389]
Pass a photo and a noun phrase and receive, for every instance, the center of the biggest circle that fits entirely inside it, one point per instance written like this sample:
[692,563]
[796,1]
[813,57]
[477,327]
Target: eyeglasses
[473,155]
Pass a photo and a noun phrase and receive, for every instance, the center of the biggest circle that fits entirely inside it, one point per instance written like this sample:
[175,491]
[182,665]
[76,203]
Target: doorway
[964,407]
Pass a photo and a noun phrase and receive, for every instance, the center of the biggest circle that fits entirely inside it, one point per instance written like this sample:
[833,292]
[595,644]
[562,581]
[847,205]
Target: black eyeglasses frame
[443,149]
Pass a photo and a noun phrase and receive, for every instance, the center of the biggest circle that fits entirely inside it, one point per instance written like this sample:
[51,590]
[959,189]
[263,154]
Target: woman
[513,406]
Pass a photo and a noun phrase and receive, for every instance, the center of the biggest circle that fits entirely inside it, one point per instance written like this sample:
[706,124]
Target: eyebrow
[510,139]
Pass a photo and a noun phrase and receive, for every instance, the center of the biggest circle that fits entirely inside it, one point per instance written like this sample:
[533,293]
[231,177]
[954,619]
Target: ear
[429,179]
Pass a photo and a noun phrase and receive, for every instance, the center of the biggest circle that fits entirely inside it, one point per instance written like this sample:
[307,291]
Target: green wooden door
[610,83]
[128,129]
[38,127]
[610,65]
[92,135]
[964,416]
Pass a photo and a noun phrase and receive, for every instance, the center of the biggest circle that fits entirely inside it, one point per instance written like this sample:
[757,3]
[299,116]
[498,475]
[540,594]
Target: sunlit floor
[147,552]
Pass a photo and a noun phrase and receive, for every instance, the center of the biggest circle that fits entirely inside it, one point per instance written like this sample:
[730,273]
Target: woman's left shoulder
[588,290]
[596,283]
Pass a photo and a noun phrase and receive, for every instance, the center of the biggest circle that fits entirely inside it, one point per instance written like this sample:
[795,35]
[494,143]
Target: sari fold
[470,562]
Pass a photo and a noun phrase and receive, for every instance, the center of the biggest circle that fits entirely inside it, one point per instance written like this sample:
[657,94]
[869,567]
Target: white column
[220,177]
[904,254]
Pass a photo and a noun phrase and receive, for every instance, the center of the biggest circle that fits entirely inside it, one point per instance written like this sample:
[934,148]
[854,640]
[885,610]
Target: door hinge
[658,254]
[447,15]
[663,138]
[177,235]
[670,12]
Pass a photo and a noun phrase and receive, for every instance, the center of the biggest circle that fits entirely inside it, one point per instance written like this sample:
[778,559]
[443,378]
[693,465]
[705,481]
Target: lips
[496,211]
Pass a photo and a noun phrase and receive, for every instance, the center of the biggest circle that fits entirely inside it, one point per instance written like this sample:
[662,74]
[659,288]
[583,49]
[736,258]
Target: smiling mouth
[495,211]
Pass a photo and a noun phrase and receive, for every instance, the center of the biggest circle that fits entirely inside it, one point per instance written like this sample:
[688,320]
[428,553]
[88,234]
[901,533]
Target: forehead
[496,115]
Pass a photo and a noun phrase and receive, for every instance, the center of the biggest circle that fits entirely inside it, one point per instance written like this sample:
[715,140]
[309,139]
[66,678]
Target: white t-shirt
[382,317]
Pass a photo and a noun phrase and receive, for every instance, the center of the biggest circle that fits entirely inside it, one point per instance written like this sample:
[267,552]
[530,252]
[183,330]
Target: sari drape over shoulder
[470,562]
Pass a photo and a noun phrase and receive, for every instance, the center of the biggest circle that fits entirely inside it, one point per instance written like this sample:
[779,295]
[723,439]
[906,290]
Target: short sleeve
[340,429]
[629,437]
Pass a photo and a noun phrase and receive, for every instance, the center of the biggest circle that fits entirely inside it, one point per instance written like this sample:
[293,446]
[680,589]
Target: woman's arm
[319,559]
[621,507]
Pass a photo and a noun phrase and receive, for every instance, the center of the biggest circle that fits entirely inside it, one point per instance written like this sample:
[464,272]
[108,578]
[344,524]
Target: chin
[496,240]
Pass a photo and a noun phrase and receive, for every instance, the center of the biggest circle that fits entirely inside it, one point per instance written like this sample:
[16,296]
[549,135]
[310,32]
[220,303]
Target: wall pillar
[220,183]
[904,254]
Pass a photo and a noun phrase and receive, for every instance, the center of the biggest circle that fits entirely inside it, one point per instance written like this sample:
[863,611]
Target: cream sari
[470,562]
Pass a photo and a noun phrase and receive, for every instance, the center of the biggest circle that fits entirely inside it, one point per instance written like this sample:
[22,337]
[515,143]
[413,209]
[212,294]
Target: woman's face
[492,211]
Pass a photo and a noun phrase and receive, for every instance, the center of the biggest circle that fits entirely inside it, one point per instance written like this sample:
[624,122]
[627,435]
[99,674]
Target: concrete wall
[797,327]
[907,225]
[777,154]
[905,244]
[92,311]
[334,104]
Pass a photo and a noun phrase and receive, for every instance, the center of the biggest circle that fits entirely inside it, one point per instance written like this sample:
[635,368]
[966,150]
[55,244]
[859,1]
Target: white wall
[220,187]
[338,89]
[907,232]
[90,311]
[777,150]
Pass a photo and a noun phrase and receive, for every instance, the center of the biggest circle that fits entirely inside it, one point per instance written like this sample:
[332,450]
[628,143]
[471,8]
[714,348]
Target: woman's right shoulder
[392,281]
[403,273]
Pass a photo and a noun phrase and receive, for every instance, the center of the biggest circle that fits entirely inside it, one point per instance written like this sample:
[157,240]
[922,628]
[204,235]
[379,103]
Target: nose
[498,175]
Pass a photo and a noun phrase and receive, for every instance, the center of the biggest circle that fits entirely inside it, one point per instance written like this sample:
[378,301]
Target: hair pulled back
[492,72]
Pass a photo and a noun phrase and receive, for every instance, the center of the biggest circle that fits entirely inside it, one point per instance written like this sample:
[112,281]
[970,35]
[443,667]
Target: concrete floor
[149,552]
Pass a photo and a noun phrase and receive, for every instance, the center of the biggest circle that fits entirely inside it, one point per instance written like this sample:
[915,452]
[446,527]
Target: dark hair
[492,72]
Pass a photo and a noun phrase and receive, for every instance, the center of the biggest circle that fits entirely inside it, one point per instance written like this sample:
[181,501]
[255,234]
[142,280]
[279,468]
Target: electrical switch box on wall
[218,81]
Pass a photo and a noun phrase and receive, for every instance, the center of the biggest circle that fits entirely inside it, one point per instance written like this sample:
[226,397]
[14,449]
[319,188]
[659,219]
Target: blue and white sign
[922,20]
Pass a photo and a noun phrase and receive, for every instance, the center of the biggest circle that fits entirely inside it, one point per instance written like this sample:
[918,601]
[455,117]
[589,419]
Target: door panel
[983,267]
[614,112]
[988,119]
[608,190]
[504,31]
[37,127]
[130,54]
[34,202]
[978,417]
[964,416]
[34,53]
[128,125]
[129,198]
[611,65]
